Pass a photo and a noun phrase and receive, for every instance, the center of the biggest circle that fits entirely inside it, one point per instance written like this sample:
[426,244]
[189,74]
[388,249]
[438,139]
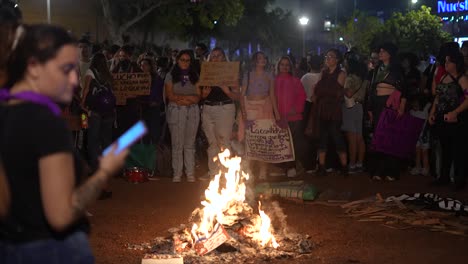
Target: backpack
[100,98]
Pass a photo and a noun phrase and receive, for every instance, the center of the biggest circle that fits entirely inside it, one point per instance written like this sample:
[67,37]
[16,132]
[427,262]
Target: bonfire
[228,225]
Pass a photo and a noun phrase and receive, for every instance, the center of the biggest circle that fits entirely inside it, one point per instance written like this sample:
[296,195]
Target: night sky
[317,10]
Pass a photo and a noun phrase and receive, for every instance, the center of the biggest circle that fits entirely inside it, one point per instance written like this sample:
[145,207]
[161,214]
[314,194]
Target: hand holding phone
[128,138]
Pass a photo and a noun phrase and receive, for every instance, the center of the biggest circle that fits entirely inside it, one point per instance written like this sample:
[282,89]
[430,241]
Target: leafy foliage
[177,16]
[417,31]
[359,31]
[273,29]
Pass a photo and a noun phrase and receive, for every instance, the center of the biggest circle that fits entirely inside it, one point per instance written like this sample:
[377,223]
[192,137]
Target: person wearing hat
[388,90]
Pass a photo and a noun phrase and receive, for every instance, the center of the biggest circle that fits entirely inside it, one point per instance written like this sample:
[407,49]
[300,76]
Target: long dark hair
[354,65]
[445,49]
[176,70]
[456,57]
[41,42]
[220,50]
[253,61]
[10,19]
[338,54]
[99,65]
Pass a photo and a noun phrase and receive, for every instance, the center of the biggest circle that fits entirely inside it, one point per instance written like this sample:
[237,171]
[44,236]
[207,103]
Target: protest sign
[396,136]
[266,141]
[129,85]
[219,74]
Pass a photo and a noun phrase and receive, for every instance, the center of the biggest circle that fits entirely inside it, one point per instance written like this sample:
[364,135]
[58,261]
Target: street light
[48,12]
[303,21]
[411,4]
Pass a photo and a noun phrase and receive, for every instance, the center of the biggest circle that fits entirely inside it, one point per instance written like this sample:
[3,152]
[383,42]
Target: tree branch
[109,20]
[139,16]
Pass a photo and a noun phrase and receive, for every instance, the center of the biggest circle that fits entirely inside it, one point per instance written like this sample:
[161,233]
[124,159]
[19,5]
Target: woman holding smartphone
[46,222]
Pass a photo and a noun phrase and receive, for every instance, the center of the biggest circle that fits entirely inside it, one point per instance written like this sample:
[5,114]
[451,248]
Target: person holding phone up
[46,222]
[449,119]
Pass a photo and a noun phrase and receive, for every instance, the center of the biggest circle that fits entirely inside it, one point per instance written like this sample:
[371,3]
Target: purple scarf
[184,77]
[31,97]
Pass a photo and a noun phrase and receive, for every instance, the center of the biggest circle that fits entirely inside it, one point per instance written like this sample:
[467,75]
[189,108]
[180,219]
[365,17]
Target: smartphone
[128,138]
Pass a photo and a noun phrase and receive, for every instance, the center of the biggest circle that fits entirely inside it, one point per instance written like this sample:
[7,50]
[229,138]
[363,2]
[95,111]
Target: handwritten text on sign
[265,141]
[219,74]
[129,85]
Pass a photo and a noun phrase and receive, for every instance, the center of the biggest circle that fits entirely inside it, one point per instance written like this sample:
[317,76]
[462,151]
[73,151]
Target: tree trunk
[116,31]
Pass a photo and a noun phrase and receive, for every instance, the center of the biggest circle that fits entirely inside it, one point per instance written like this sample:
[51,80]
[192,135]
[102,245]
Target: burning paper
[216,239]
[225,205]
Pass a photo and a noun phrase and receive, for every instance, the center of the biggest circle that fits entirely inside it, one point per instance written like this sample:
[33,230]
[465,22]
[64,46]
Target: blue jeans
[74,249]
[183,123]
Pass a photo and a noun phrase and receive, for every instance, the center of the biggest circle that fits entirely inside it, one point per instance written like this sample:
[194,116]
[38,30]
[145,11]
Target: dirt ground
[138,213]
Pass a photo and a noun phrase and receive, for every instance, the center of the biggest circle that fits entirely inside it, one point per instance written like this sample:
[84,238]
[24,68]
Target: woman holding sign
[183,114]
[258,100]
[218,115]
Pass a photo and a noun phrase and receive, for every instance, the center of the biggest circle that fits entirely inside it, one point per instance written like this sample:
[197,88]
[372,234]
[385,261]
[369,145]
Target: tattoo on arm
[87,193]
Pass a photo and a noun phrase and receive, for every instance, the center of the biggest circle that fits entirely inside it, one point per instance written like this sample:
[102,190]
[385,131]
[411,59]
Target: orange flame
[222,206]
[264,233]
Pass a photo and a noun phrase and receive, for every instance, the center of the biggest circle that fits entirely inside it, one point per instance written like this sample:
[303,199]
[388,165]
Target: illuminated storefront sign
[451,7]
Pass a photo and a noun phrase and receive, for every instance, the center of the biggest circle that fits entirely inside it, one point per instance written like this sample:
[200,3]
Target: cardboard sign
[216,239]
[129,85]
[265,141]
[397,136]
[219,74]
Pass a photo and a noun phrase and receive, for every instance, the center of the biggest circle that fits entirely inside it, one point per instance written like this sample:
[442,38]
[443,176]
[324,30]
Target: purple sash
[396,136]
[31,97]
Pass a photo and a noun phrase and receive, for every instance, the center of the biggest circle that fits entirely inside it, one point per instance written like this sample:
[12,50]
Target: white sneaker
[190,178]
[390,178]
[424,172]
[291,173]
[415,171]
[376,178]
[176,179]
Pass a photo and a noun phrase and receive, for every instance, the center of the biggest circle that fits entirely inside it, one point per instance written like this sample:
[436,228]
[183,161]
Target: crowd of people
[332,105]
[335,106]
